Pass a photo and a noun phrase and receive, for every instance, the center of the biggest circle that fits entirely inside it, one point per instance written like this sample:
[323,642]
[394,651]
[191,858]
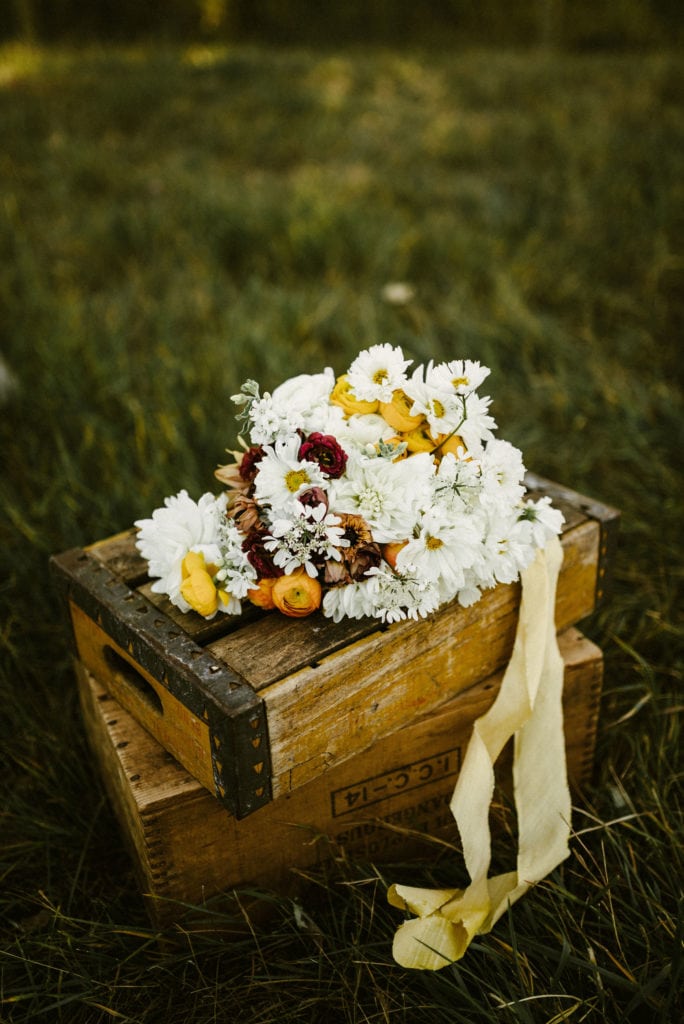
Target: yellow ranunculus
[422,440]
[297,594]
[452,445]
[419,440]
[341,395]
[198,588]
[397,413]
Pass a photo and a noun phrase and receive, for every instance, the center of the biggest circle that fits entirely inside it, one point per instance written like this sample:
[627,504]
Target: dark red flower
[250,462]
[325,450]
[258,556]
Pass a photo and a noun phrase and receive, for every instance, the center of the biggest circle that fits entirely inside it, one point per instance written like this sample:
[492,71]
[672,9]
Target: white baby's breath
[306,538]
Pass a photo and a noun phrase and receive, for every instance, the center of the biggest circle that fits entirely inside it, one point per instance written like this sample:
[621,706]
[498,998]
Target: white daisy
[353,601]
[377,373]
[478,425]
[443,409]
[502,472]
[460,376]
[508,550]
[282,476]
[543,521]
[443,549]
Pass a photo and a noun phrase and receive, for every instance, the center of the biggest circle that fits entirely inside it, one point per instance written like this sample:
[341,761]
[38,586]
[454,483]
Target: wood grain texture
[384,681]
[385,803]
[146,698]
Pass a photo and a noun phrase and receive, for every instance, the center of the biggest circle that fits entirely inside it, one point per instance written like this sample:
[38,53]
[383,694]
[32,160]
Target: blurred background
[576,24]
[194,192]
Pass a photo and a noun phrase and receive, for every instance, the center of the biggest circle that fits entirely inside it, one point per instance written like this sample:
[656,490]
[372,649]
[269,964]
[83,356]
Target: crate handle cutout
[129,676]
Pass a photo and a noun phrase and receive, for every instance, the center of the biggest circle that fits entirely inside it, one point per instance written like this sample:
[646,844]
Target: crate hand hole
[127,675]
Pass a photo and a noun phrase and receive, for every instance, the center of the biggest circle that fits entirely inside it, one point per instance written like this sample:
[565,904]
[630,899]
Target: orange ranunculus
[390,551]
[297,594]
[397,413]
[342,395]
[262,594]
[198,588]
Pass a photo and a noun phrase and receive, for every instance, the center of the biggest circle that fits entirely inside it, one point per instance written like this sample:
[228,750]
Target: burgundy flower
[250,462]
[258,556]
[325,450]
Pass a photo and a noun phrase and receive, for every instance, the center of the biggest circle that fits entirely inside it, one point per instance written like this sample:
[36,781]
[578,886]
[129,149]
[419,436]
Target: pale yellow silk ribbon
[529,707]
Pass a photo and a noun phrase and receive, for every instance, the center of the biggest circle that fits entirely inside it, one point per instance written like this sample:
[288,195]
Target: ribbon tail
[529,706]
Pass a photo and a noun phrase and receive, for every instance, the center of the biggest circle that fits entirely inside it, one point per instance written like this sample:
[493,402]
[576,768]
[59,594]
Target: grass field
[172,222]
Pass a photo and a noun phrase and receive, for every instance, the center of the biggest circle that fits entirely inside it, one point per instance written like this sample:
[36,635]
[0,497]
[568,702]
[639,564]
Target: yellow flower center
[295,479]
[380,376]
[459,382]
[433,543]
[437,408]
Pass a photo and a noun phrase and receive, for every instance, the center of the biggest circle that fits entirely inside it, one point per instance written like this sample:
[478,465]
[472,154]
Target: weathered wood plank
[120,554]
[376,685]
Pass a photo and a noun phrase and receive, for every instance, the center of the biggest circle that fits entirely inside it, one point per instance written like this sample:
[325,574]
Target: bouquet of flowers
[378,493]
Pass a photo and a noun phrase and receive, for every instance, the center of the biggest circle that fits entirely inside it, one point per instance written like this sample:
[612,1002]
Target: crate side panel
[322,715]
[387,802]
[129,759]
[183,734]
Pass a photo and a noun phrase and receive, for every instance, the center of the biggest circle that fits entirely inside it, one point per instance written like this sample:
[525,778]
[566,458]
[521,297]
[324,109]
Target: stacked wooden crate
[237,749]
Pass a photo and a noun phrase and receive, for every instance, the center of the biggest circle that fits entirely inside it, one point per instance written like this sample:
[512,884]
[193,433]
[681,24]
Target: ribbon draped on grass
[529,707]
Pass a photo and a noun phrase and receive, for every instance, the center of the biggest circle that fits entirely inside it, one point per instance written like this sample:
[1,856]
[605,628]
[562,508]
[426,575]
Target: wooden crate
[187,848]
[257,706]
